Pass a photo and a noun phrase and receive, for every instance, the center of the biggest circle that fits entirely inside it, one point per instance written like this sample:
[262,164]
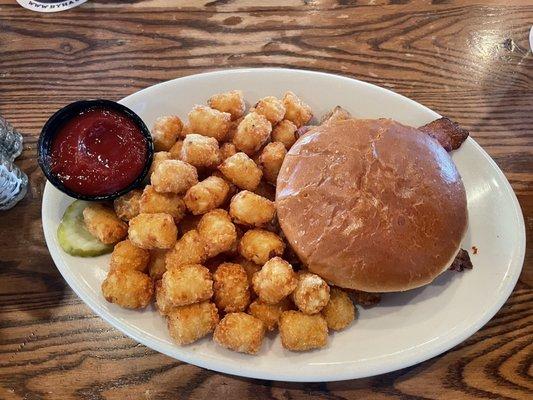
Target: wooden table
[468,61]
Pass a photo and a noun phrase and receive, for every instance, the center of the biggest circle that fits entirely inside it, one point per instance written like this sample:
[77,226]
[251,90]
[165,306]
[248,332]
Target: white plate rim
[212,363]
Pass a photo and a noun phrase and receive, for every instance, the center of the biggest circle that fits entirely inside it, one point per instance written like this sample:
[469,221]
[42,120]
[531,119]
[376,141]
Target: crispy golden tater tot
[127,206]
[311,294]
[240,332]
[166,131]
[248,208]
[250,267]
[240,170]
[187,284]
[206,195]
[259,246]
[271,108]
[207,121]
[275,281]
[285,132]
[271,159]
[227,150]
[153,231]
[159,157]
[128,288]
[230,102]
[126,255]
[189,323]
[340,311]
[200,151]
[190,249]
[157,265]
[186,130]
[162,301]
[175,150]
[174,176]
[233,128]
[297,112]
[252,132]
[103,223]
[301,332]
[169,203]
[189,222]
[231,288]
[269,313]
[217,231]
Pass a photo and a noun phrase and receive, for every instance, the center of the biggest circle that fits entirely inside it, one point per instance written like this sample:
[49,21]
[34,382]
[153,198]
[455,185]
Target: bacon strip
[461,262]
[447,132]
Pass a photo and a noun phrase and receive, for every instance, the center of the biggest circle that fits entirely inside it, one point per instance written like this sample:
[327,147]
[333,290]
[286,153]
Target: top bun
[372,205]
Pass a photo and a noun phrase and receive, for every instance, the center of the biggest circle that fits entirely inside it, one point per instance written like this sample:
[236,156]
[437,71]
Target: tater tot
[285,132]
[227,150]
[162,301]
[271,158]
[248,208]
[340,311]
[271,108]
[217,231]
[231,289]
[169,203]
[189,323]
[166,131]
[301,332]
[252,132]
[175,150]
[230,102]
[127,206]
[186,130]
[242,171]
[233,128]
[207,121]
[274,281]
[153,231]
[128,288]
[159,157]
[259,246]
[103,223]
[200,151]
[297,112]
[269,313]
[311,294]
[207,195]
[189,249]
[250,267]
[187,284]
[240,332]
[126,255]
[174,176]
[157,265]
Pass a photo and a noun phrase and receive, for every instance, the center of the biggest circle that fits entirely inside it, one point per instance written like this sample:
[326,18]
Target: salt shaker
[13,182]
[10,140]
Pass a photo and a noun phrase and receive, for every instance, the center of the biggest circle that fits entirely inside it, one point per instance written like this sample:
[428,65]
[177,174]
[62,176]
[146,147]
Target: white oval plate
[406,328]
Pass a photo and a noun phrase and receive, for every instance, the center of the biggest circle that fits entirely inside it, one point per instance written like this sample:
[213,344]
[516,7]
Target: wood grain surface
[468,60]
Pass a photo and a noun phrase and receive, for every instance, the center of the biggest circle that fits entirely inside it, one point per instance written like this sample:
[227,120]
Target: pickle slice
[73,236]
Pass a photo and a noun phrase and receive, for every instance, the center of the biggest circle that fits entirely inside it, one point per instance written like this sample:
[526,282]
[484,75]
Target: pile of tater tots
[202,239]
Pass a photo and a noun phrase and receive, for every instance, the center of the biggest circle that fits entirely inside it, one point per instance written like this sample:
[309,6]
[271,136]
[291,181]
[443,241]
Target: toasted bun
[372,205]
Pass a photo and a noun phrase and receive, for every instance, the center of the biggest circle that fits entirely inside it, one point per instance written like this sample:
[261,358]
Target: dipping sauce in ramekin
[95,150]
